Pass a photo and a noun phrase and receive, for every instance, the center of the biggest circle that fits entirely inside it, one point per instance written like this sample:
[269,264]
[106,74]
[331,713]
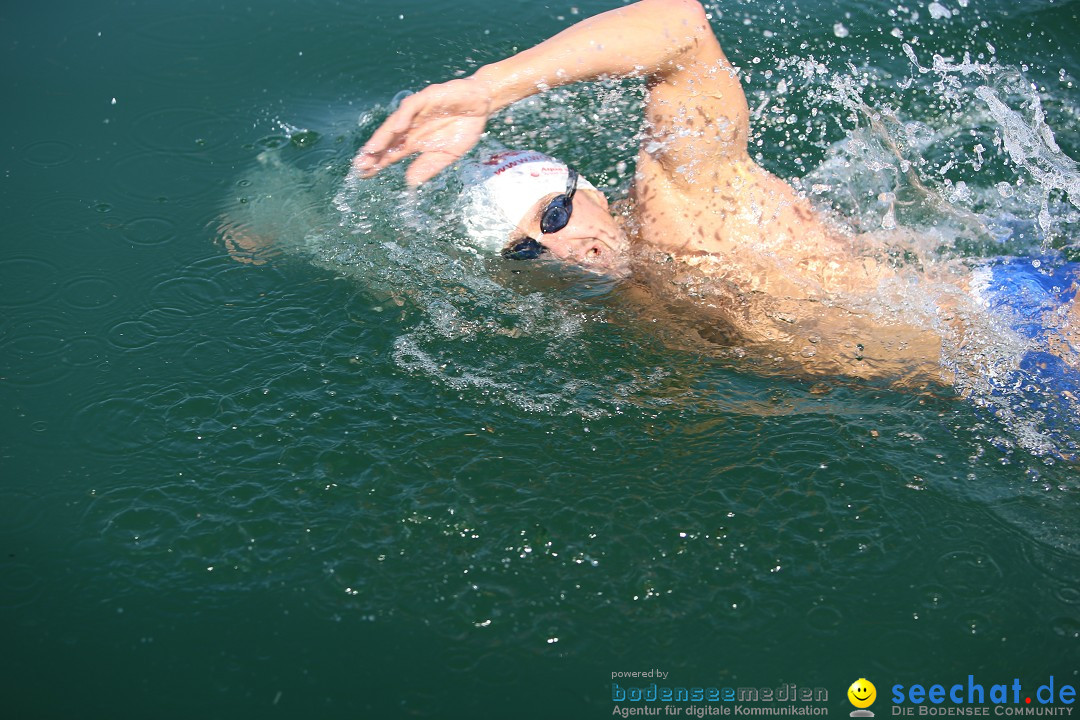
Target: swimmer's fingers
[368,163]
[441,142]
[386,145]
[438,141]
[428,165]
[444,118]
[391,141]
[429,141]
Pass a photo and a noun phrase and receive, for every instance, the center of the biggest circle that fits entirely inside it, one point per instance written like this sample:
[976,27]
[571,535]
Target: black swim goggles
[552,220]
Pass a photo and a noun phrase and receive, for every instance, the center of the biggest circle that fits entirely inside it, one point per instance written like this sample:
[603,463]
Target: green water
[362,480]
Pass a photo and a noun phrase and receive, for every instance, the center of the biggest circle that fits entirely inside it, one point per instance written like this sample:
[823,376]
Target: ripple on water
[952,531]
[162,177]
[22,511]
[1059,570]
[935,597]
[84,351]
[90,292]
[39,376]
[149,231]
[1055,564]
[61,215]
[1069,595]
[189,291]
[145,524]
[49,153]
[190,411]
[183,130]
[319,159]
[201,286]
[22,585]
[347,338]
[213,358]
[131,335]
[291,321]
[824,619]
[26,281]
[490,668]
[969,573]
[31,355]
[166,322]
[120,425]
[36,341]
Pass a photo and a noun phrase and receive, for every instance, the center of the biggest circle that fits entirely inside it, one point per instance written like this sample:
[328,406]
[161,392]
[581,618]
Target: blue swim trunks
[1031,297]
[1029,290]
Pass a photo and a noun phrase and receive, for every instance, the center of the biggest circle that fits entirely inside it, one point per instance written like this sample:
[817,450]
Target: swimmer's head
[506,195]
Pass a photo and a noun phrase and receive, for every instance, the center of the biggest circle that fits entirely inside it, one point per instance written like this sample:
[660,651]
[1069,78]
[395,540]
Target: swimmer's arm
[696,105]
[651,38]
[694,94]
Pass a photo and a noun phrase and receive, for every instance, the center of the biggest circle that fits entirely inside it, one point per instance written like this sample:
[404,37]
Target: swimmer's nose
[594,252]
[601,257]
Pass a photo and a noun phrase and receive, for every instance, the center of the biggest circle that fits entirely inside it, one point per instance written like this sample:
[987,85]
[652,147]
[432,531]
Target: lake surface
[371,476]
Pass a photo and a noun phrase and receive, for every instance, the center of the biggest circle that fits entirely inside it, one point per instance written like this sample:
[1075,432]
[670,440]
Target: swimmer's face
[591,239]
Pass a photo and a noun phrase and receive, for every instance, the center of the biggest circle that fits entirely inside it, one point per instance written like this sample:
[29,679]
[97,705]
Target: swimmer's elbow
[687,9]
[686,25]
[688,13]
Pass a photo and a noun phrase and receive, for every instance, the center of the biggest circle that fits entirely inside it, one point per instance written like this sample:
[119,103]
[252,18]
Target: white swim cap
[501,188]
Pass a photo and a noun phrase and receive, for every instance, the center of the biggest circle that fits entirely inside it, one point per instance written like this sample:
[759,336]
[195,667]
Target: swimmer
[775,271]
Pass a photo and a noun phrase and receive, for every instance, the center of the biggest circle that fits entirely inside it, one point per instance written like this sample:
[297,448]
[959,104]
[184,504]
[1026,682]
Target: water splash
[961,156]
[956,158]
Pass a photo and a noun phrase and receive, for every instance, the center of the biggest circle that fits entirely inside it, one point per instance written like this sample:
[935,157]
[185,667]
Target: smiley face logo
[862,693]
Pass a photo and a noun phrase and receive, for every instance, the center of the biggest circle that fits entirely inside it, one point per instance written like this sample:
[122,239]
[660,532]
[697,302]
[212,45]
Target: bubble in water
[939,11]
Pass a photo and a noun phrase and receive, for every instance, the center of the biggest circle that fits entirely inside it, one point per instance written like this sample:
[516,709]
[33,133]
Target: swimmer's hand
[441,122]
